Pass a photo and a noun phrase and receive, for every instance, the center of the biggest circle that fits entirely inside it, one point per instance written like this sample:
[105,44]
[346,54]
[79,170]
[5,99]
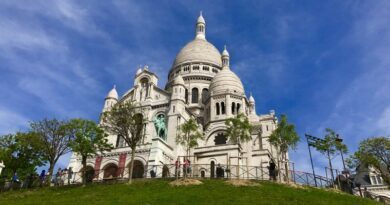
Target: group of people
[33,179]
[186,167]
[62,176]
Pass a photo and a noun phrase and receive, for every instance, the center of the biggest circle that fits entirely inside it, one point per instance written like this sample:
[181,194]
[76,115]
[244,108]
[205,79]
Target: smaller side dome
[113,93]
[225,52]
[226,80]
[251,99]
[139,71]
[178,80]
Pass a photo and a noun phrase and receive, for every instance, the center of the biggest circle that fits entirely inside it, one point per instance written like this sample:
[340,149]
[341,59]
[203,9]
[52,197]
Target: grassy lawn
[211,192]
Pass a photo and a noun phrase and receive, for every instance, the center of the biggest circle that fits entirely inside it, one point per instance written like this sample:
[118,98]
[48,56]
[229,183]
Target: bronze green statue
[160,125]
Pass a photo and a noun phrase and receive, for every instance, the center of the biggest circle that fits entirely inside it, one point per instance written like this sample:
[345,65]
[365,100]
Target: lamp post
[339,140]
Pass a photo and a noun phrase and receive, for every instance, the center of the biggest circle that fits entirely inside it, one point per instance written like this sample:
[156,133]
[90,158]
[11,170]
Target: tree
[238,129]
[127,121]
[53,139]
[374,152]
[20,153]
[189,135]
[284,137]
[87,140]
[329,145]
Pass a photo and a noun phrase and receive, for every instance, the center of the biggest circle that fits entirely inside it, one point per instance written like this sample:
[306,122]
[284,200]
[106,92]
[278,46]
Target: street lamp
[339,140]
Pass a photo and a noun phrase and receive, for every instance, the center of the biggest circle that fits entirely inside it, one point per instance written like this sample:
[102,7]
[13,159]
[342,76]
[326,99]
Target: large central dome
[198,50]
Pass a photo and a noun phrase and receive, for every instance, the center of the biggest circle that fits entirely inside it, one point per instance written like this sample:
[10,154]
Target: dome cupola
[113,94]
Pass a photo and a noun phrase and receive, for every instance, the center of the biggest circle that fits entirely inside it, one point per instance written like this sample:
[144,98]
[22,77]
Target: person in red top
[177,167]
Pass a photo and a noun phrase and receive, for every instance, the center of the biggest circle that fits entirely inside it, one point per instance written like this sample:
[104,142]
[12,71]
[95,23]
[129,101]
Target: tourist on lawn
[58,177]
[177,168]
[70,174]
[42,177]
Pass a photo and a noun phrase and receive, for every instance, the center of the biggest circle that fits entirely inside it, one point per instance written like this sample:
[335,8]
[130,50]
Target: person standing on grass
[70,173]
[42,177]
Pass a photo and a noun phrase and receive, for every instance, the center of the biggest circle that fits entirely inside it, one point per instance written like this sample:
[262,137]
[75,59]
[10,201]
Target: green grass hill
[150,192]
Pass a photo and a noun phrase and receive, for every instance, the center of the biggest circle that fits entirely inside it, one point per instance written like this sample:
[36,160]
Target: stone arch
[213,131]
[138,169]
[89,173]
[110,171]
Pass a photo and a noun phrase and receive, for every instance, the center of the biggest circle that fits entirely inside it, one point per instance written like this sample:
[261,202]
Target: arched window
[222,108]
[238,108]
[205,93]
[195,95]
[233,107]
[120,142]
[186,96]
[217,108]
[220,139]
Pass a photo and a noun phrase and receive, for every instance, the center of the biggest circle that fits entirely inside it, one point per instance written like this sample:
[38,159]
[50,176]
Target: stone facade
[202,86]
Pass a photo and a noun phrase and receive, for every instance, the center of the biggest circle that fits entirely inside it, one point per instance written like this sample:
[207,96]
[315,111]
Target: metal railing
[116,174]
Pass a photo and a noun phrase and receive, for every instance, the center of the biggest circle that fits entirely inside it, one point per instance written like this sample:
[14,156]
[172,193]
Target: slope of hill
[150,192]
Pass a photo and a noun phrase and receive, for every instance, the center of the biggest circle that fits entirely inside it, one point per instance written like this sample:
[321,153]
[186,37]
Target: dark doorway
[202,174]
[138,169]
[165,171]
[89,174]
[110,171]
[212,169]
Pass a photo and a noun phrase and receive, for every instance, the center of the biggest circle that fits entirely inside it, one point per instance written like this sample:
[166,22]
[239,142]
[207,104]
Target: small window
[196,67]
[238,107]
[373,180]
[174,109]
[215,70]
[195,95]
[233,107]
[186,96]
[217,108]
[222,108]
[206,68]
[379,179]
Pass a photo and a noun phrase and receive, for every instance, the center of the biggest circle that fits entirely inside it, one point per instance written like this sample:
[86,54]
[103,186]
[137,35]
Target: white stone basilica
[201,85]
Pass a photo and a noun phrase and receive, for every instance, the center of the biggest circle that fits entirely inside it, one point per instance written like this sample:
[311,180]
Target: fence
[115,174]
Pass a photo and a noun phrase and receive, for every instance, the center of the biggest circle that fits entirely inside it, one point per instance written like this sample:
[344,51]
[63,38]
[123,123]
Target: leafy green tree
[189,135]
[54,140]
[238,129]
[374,152]
[20,153]
[127,121]
[284,137]
[329,146]
[87,141]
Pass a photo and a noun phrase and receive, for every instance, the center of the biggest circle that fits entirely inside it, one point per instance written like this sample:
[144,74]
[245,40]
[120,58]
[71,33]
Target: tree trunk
[330,167]
[286,167]
[50,171]
[131,164]
[84,162]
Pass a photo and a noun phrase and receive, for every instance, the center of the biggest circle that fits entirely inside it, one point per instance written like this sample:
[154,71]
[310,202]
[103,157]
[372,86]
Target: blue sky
[323,63]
